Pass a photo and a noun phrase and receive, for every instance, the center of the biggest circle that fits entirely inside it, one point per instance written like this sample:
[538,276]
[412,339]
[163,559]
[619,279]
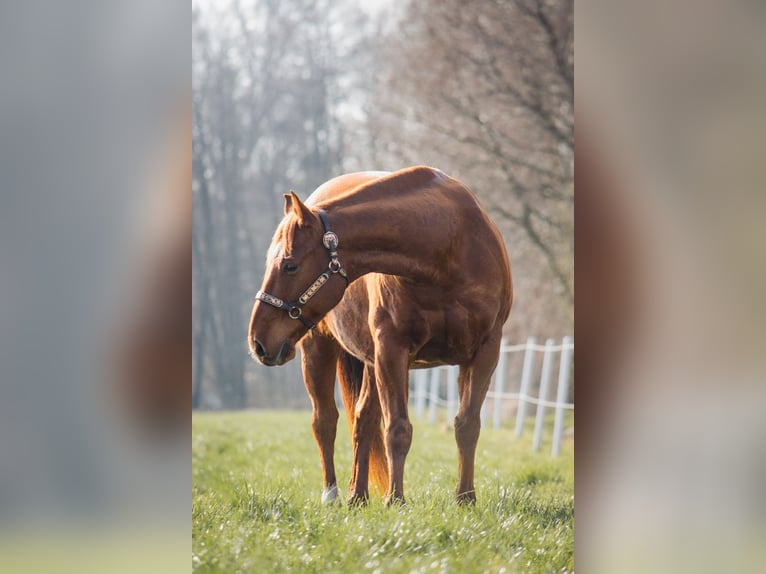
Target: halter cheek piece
[295,309]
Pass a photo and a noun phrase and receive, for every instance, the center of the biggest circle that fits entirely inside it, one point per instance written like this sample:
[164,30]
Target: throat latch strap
[330,241]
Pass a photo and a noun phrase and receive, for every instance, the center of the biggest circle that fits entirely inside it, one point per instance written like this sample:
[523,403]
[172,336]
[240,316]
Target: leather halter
[295,309]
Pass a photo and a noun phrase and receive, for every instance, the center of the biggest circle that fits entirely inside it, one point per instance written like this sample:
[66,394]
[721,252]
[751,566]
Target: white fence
[425,389]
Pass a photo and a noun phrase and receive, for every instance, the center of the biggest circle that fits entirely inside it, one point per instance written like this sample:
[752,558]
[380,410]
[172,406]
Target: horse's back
[448,316]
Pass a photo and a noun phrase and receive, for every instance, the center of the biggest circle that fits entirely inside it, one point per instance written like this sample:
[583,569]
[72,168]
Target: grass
[256,503]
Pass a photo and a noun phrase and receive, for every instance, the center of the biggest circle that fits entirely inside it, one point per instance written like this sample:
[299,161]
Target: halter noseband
[295,309]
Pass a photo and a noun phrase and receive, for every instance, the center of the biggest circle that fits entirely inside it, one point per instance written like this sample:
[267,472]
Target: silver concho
[330,240]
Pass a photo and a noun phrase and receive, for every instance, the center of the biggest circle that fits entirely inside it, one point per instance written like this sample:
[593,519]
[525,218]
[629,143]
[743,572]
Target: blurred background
[671,449]
[95,332]
[292,93]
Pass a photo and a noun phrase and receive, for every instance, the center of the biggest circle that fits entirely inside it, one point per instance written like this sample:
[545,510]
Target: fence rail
[425,389]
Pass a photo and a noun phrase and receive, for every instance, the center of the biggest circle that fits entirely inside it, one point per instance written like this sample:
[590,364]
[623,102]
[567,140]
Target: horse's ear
[293,202]
[288,201]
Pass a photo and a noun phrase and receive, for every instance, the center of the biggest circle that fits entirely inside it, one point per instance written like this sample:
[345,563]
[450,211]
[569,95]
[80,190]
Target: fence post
[421,380]
[542,395]
[433,396]
[451,393]
[526,376]
[561,395]
[499,386]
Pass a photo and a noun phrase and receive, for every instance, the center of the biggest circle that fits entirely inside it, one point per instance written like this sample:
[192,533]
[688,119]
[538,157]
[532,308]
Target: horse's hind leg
[391,374]
[319,355]
[473,383]
[366,425]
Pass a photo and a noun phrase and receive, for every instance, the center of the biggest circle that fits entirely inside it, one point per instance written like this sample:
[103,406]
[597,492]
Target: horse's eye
[290,268]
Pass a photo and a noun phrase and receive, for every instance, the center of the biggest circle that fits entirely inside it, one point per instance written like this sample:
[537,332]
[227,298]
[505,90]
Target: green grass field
[256,503]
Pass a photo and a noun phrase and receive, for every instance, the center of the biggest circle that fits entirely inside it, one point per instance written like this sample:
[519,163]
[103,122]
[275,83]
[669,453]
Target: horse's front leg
[391,370]
[319,355]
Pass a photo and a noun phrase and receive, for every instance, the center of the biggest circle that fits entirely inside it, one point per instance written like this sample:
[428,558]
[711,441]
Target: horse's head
[298,286]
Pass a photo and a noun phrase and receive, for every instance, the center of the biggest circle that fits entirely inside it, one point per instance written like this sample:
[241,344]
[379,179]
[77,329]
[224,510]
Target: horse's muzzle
[285,353]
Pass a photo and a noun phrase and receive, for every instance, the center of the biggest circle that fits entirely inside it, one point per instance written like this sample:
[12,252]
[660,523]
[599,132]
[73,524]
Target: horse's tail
[350,372]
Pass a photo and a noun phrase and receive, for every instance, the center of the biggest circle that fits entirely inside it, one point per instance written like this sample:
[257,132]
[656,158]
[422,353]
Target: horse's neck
[394,241]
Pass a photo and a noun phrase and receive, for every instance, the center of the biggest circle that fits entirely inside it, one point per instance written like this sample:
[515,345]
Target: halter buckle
[294,312]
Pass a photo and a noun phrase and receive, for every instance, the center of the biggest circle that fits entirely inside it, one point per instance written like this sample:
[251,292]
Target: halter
[295,309]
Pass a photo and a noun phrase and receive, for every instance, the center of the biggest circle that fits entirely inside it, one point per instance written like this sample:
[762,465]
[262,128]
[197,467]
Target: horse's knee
[399,435]
[324,417]
[467,430]
[324,422]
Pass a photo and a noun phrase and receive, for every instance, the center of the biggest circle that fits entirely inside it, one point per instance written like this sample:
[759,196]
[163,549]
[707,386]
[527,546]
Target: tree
[265,94]
[290,93]
[487,94]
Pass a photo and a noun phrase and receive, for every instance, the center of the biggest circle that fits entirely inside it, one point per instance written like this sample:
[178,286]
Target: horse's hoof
[395,500]
[466,498]
[357,500]
[330,494]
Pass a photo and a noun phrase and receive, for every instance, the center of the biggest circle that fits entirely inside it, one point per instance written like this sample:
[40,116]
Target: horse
[375,274]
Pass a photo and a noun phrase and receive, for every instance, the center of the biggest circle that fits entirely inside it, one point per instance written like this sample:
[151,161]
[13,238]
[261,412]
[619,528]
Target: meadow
[256,503]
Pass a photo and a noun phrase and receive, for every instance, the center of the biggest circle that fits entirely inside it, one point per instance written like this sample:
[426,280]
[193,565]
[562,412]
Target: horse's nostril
[259,350]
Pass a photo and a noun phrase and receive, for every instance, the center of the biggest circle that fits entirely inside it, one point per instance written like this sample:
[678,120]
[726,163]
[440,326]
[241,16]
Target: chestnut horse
[375,274]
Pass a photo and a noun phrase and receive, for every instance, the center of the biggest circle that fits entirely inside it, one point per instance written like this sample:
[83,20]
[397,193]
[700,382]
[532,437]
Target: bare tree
[487,94]
[289,93]
[265,91]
